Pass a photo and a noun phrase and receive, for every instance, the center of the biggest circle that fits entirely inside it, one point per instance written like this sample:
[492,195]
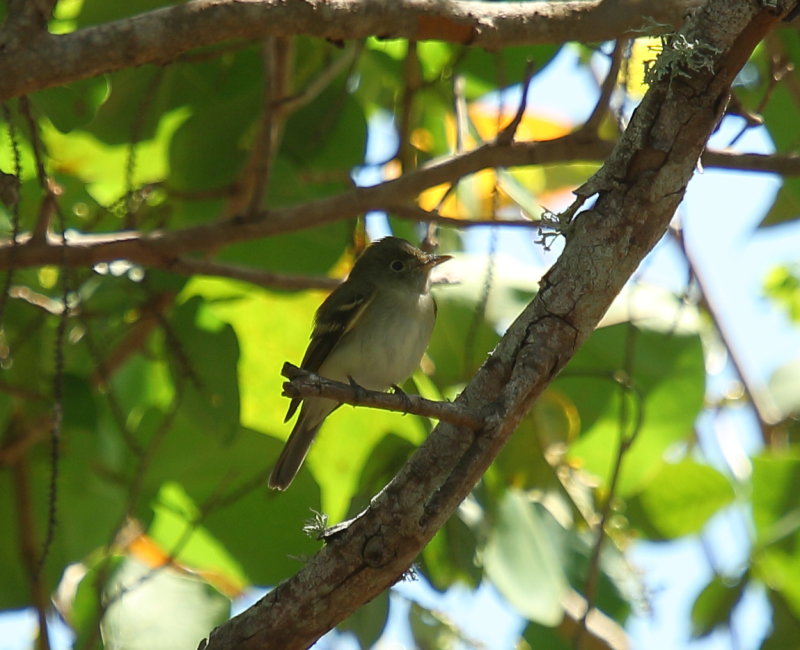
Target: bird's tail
[312,414]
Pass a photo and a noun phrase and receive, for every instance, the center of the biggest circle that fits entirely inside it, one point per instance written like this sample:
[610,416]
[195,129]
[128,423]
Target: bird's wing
[336,316]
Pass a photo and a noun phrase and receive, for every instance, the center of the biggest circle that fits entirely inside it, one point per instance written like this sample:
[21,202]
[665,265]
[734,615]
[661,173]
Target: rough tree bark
[31,61]
[637,192]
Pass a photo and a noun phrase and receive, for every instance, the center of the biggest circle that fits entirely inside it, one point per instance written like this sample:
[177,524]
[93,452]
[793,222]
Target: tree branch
[162,35]
[162,249]
[637,192]
[308,384]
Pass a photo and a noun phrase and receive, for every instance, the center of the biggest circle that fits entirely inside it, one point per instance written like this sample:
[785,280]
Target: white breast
[387,344]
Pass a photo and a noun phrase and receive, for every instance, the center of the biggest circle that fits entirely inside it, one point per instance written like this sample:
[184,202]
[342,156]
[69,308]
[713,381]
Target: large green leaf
[785,624]
[713,608]
[327,135]
[311,252]
[452,556]
[486,71]
[72,105]
[524,559]
[213,507]
[204,361]
[776,515]
[368,621]
[776,484]
[681,498]
[208,149]
[667,377]
[786,205]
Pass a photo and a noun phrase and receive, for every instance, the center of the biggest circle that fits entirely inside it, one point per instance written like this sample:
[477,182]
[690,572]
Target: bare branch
[607,88]
[268,279]
[161,249]
[307,384]
[162,35]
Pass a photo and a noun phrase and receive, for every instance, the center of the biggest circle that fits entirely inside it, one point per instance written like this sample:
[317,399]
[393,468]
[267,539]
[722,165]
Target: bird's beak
[435,260]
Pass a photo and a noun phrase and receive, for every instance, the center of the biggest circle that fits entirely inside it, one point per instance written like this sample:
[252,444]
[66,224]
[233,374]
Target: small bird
[372,330]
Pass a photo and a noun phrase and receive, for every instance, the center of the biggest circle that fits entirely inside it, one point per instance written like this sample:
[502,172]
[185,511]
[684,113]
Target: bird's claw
[402,394]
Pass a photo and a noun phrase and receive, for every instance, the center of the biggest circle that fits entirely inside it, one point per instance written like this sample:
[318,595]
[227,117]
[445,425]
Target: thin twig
[416,213]
[267,279]
[412,75]
[131,206]
[629,427]
[28,543]
[506,136]
[765,411]
[306,384]
[607,88]
[324,78]
[11,198]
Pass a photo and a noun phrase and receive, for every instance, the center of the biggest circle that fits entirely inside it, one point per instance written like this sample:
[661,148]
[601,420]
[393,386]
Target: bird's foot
[358,389]
[402,394]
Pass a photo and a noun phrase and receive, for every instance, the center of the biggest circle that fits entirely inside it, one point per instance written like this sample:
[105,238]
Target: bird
[371,331]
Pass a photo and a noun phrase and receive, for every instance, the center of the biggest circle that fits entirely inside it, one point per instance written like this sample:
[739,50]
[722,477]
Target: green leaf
[782,285]
[430,630]
[15,593]
[132,108]
[368,621]
[785,623]
[778,566]
[663,366]
[380,75]
[786,205]
[486,71]
[311,252]
[386,458]
[452,556]
[523,559]
[79,404]
[224,482]
[713,607]
[204,358]
[683,496]
[775,485]
[460,338]
[327,135]
[522,461]
[72,105]
[88,508]
[208,150]
[542,637]
[177,532]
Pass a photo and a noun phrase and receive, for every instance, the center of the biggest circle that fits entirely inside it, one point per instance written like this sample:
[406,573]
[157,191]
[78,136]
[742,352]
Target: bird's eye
[397,265]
